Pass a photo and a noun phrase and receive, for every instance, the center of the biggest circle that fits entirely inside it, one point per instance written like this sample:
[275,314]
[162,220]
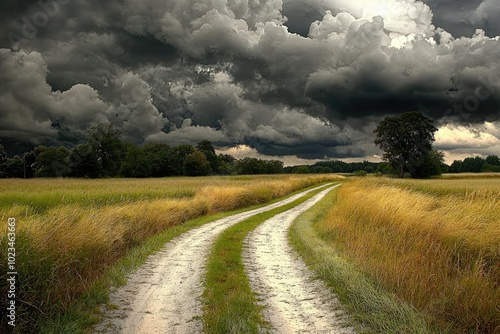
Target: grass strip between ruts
[370,308]
[86,312]
[229,303]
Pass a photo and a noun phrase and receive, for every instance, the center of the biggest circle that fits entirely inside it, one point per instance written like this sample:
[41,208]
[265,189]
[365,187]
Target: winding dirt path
[294,302]
[162,296]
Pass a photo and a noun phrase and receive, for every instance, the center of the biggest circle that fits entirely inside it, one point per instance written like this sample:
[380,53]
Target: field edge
[370,308]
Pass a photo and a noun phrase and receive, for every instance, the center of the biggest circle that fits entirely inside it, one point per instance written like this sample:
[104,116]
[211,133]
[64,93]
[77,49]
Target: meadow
[435,244]
[70,231]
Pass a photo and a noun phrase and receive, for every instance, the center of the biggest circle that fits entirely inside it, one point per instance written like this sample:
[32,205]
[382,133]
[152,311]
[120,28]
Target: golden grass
[462,176]
[436,244]
[69,231]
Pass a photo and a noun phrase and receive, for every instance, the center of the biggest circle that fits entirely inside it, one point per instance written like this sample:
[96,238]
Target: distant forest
[105,154]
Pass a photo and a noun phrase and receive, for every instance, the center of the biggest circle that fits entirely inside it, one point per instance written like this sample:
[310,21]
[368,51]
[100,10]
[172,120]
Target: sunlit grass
[435,243]
[462,176]
[370,308]
[70,231]
[450,186]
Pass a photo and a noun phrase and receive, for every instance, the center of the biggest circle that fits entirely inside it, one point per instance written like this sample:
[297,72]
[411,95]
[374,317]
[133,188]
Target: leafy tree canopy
[107,147]
[196,164]
[52,161]
[406,141]
[208,150]
[3,154]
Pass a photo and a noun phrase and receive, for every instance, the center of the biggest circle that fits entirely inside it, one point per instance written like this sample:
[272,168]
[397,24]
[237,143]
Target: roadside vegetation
[69,232]
[369,307]
[435,244]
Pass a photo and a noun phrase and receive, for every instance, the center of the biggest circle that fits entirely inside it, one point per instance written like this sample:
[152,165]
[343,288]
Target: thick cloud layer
[286,78]
[463,17]
[33,112]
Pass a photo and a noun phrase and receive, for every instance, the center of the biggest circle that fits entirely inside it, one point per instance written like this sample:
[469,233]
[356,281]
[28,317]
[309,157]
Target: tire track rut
[294,301]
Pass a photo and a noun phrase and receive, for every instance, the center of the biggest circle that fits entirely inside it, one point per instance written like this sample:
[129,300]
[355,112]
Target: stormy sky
[295,80]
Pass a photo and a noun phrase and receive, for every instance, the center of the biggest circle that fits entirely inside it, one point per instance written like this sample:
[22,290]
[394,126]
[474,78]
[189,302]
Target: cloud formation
[463,17]
[287,78]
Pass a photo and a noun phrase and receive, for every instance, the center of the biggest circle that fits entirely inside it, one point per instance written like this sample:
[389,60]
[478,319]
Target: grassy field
[370,307]
[69,232]
[435,244]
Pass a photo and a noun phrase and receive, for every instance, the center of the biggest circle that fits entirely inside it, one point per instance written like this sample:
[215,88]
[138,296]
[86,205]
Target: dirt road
[162,296]
[293,301]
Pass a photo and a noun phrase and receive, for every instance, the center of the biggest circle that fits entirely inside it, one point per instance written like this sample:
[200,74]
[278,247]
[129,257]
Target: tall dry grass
[462,176]
[436,244]
[70,231]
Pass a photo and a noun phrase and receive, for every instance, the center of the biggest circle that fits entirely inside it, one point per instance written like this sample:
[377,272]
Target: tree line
[105,154]
[406,141]
[476,165]
[335,166]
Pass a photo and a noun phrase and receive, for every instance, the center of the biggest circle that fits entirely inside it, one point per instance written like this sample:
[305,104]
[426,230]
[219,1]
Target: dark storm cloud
[427,77]
[317,150]
[96,58]
[354,73]
[463,17]
[300,15]
[308,78]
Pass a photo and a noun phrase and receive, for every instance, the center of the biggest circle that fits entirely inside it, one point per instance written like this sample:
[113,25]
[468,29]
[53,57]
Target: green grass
[85,312]
[371,309]
[229,303]
[42,194]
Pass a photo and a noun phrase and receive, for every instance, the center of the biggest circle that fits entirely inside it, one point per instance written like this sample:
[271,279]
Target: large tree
[107,147]
[161,158]
[407,143]
[136,163]
[52,161]
[208,150]
[196,164]
[226,164]
[250,166]
[178,156]
[83,162]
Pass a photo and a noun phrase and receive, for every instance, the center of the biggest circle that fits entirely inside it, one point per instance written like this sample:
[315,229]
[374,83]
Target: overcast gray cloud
[463,17]
[287,78]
